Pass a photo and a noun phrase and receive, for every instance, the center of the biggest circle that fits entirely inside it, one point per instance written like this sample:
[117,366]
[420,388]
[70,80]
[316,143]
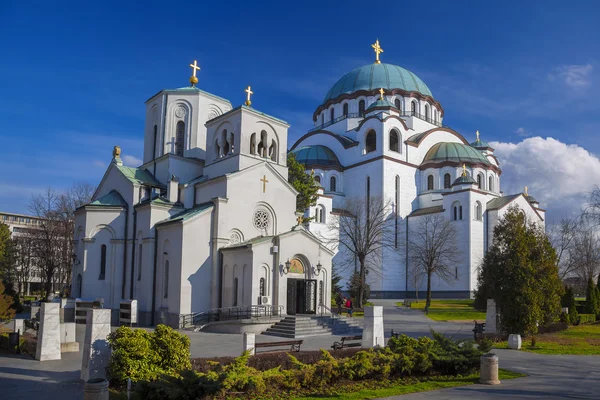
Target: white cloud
[575,76]
[131,160]
[558,175]
[523,132]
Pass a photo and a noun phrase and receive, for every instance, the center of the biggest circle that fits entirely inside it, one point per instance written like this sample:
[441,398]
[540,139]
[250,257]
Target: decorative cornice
[382,120]
[432,164]
[375,92]
[324,132]
[423,135]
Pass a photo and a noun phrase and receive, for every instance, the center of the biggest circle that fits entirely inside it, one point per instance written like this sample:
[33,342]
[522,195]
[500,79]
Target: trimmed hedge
[586,318]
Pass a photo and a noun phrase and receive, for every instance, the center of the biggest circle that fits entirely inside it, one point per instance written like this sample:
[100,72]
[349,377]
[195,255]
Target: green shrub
[586,318]
[133,356]
[173,349]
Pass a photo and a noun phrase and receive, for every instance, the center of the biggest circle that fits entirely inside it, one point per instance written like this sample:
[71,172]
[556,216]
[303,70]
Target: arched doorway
[301,289]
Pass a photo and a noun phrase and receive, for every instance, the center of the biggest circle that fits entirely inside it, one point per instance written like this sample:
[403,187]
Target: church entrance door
[301,296]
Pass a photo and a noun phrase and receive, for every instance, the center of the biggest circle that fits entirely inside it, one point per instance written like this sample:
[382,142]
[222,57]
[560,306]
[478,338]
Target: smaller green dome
[454,152]
[480,144]
[464,180]
[316,155]
[381,103]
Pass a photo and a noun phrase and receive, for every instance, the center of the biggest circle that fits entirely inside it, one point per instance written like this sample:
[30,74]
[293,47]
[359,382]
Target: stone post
[48,340]
[489,370]
[490,317]
[19,326]
[96,389]
[96,351]
[249,342]
[373,327]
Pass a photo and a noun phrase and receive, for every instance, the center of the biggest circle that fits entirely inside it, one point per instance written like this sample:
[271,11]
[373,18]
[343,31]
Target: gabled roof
[140,176]
[111,199]
[499,202]
[187,214]
[249,242]
[427,210]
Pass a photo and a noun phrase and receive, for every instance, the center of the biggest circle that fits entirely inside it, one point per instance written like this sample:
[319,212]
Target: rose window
[261,219]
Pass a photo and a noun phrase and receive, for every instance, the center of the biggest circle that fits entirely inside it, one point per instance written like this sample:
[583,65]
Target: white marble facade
[207,221]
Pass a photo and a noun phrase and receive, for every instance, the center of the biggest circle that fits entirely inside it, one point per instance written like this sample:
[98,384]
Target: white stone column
[96,351]
[249,342]
[489,370]
[373,327]
[19,326]
[48,341]
[490,317]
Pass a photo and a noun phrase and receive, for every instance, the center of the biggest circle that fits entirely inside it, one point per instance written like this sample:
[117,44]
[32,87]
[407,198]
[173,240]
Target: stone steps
[306,326]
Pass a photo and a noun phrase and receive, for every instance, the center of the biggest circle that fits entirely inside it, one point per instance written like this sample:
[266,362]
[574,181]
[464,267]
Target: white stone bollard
[565,310]
[96,389]
[249,342]
[373,327]
[490,317]
[514,342]
[19,326]
[488,374]
[96,351]
[48,340]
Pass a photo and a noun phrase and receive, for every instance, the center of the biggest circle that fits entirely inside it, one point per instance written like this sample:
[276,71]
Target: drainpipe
[124,285]
[154,277]
[133,252]
[406,261]
[276,277]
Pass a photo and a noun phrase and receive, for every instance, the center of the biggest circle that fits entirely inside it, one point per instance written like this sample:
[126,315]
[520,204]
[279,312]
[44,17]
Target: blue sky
[74,77]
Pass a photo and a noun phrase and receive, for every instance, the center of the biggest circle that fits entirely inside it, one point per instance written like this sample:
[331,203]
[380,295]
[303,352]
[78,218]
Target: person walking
[339,300]
[349,307]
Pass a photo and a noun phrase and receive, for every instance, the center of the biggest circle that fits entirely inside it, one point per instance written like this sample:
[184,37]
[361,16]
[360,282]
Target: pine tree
[568,300]
[591,298]
[304,183]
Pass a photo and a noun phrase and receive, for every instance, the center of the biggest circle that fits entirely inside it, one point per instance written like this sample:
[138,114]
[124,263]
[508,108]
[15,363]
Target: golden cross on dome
[195,67]
[249,92]
[477,133]
[464,170]
[526,194]
[381,92]
[377,48]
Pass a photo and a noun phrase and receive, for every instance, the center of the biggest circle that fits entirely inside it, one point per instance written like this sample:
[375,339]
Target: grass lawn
[580,340]
[423,386]
[450,310]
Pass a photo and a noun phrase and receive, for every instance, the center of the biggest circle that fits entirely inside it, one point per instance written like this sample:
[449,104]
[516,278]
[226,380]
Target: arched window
[394,146]
[478,213]
[226,147]
[398,104]
[79,285]
[413,108]
[102,262]
[332,184]
[318,179]
[345,109]
[479,181]
[154,143]
[166,281]
[426,112]
[262,286]
[361,108]
[430,182]
[371,142]
[455,210]
[253,143]
[491,184]
[139,262]
[446,181]
[459,212]
[179,136]
[273,151]
[332,114]
[235,291]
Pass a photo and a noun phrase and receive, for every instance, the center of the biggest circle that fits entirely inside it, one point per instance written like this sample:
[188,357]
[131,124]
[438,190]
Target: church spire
[195,67]
[377,49]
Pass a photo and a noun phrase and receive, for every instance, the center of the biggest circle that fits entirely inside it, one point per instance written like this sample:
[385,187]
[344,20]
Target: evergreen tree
[568,300]
[6,303]
[335,281]
[591,298]
[520,273]
[304,183]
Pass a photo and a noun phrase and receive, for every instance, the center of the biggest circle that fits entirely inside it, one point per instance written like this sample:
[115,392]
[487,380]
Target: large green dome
[316,155]
[454,152]
[375,76]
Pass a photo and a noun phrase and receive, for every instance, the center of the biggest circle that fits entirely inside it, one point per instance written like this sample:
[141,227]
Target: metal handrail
[228,313]
[361,115]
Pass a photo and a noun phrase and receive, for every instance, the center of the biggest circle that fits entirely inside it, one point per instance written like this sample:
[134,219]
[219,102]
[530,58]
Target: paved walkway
[551,377]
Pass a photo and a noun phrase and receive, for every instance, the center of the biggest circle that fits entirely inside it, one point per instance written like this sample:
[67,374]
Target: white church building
[379,133]
[209,220]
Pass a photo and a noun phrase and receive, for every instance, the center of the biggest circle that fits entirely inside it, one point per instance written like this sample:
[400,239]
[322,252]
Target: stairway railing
[227,314]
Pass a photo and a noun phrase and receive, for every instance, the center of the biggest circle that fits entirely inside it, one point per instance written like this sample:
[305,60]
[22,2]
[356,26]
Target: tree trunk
[361,285]
[48,285]
[428,302]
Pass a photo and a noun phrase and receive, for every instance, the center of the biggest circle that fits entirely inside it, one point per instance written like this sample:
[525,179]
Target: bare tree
[432,249]
[24,260]
[563,238]
[415,276]
[360,231]
[585,254]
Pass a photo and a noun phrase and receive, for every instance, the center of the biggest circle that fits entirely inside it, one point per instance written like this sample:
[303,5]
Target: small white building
[379,133]
[208,221]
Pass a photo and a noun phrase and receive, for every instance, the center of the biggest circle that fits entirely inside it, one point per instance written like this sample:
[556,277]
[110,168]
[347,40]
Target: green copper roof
[427,210]
[464,180]
[375,76]
[531,199]
[480,144]
[381,103]
[187,214]
[316,155]
[498,203]
[112,198]
[139,175]
[455,152]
